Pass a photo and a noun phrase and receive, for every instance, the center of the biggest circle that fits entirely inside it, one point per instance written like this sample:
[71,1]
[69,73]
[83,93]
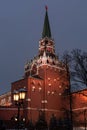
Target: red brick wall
[44,94]
[79,106]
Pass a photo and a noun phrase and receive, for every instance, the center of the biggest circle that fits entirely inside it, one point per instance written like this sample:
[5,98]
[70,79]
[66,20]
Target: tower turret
[46,43]
[46,54]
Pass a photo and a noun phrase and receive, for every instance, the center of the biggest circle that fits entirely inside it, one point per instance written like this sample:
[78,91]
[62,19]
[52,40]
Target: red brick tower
[48,78]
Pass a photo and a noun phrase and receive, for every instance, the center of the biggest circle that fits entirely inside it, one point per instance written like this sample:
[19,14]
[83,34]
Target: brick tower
[47,82]
[45,79]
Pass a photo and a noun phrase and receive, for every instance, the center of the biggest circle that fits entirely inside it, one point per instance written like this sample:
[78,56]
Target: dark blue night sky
[21,24]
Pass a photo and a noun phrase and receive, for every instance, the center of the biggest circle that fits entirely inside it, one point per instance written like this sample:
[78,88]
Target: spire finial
[46,7]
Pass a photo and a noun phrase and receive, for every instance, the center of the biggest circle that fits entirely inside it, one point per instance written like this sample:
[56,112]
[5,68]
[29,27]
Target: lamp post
[18,97]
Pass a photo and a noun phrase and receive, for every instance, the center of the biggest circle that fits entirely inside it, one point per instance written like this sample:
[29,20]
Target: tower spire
[46,27]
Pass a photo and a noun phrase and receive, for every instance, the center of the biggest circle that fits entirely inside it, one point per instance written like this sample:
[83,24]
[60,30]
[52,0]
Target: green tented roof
[46,28]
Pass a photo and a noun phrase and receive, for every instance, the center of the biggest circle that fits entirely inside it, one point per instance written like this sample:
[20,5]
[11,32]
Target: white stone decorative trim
[52,66]
[77,109]
[28,99]
[5,94]
[42,109]
[44,101]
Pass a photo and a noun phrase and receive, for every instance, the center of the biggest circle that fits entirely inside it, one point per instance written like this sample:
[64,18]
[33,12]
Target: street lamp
[18,97]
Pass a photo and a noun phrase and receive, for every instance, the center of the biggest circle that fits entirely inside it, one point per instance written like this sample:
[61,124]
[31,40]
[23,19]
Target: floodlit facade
[5,99]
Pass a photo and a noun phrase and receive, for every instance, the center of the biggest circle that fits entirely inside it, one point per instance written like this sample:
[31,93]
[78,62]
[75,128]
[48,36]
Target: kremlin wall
[46,80]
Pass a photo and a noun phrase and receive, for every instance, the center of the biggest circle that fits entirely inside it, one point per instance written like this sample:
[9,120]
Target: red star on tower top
[46,7]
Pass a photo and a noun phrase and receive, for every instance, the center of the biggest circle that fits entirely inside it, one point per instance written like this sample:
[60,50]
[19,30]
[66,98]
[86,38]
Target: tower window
[60,94]
[33,88]
[40,89]
[48,78]
[54,80]
[52,92]
[60,86]
[49,85]
[48,92]
[46,42]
